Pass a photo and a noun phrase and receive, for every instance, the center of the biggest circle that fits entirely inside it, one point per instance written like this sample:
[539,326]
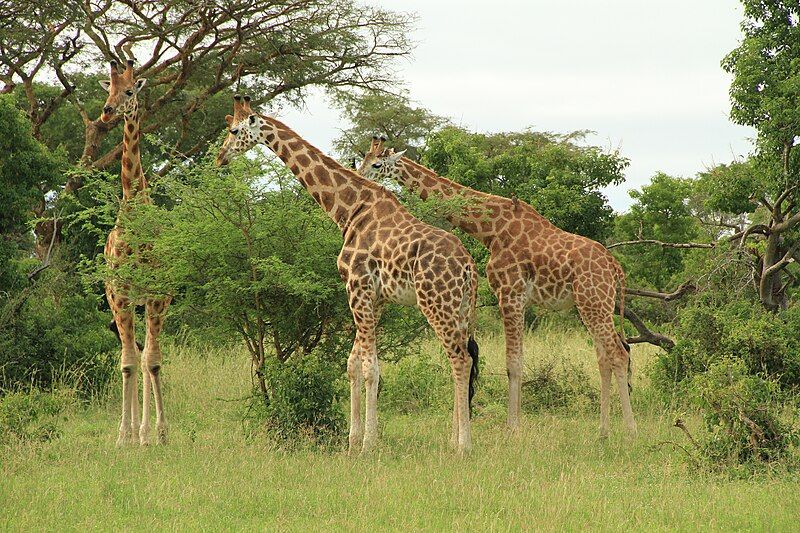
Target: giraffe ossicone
[388,256]
[532,262]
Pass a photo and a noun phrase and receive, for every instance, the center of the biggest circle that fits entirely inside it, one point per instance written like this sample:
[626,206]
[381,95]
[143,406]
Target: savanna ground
[553,474]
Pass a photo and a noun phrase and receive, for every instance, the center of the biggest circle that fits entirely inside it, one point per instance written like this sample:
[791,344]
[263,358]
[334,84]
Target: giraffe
[388,256]
[122,99]
[532,262]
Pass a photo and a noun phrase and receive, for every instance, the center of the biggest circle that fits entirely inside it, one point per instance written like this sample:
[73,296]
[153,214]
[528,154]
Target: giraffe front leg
[456,429]
[155,311]
[144,428]
[135,420]
[371,371]
[129,360]
[356,386]
[605,393]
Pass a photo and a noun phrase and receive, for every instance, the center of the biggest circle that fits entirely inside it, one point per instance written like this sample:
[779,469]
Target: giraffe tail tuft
[472,349]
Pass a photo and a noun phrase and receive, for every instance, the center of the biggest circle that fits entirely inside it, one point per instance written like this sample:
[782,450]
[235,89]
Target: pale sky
[644,75]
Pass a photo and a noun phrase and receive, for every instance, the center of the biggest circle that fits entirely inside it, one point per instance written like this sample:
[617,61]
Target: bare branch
[663,244]
[685,288]
[645,334]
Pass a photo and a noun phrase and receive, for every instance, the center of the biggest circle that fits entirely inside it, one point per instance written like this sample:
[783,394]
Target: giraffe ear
[140,83]
[229,120]
[105,84]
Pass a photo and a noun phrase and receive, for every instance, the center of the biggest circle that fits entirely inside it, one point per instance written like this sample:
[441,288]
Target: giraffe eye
[234,131]
[377,165]
[129,92]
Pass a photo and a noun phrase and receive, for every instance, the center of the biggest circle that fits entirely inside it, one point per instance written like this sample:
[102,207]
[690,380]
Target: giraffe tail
[472,349]
[113,327]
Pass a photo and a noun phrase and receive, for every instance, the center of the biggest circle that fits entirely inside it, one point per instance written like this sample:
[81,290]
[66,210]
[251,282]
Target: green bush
[767,344]
[54,332]
[416,382]
[303,403]
[32,416]
[557,384]
[743,415]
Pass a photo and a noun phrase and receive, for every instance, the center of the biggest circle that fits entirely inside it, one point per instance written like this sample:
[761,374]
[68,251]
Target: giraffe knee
[371,372]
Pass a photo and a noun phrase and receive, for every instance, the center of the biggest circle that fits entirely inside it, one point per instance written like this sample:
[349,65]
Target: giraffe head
[122,92]
[244,128]
[378,162]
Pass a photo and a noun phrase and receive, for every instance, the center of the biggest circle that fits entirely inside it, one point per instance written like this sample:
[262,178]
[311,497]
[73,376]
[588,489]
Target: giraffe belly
[553,297]
[400,292]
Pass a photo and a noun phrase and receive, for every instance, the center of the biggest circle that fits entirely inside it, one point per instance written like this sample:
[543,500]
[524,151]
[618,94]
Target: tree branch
[663,244]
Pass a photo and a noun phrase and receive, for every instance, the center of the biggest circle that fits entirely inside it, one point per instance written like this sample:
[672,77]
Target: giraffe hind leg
[453,336]
[155,310]
[596,308]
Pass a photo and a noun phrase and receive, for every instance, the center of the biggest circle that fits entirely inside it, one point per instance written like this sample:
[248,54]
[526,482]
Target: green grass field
[553,474]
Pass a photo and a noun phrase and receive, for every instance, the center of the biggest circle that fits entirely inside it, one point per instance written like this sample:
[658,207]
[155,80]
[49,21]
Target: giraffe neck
[342,193]
[133,180]
[477,218]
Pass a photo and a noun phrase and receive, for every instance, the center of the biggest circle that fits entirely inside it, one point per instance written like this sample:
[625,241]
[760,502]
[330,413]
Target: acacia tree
[557,174]
[750,210]
[404,125]
[192,53]
[765,94]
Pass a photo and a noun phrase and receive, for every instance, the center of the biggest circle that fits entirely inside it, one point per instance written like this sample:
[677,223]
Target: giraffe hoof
[124,439]
[162,435]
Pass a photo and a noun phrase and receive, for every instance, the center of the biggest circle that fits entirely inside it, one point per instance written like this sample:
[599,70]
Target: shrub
[54,328]
[557,384]
[416,382]
[32,416]
[303,403]
[767,344]
[743,415]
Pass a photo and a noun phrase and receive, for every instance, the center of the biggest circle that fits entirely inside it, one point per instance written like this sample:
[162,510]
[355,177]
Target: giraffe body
[532,262]
[122,99]
[388,256]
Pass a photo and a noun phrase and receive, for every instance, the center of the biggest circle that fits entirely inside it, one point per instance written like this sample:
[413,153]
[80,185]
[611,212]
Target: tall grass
[553,474]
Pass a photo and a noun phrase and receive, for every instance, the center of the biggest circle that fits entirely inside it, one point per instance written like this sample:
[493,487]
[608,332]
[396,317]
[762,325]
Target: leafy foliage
[743,414]
[32,416]
[55,327]
[661,212]
[25,167]
[554,173]
[416,383]
[555,384]
[303,401]
[405,126]
[765,344]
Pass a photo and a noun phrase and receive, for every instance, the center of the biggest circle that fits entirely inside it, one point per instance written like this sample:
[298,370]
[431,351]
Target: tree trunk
[770,284]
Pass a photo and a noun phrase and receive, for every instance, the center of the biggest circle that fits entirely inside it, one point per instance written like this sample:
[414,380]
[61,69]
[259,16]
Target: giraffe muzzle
[108,113]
